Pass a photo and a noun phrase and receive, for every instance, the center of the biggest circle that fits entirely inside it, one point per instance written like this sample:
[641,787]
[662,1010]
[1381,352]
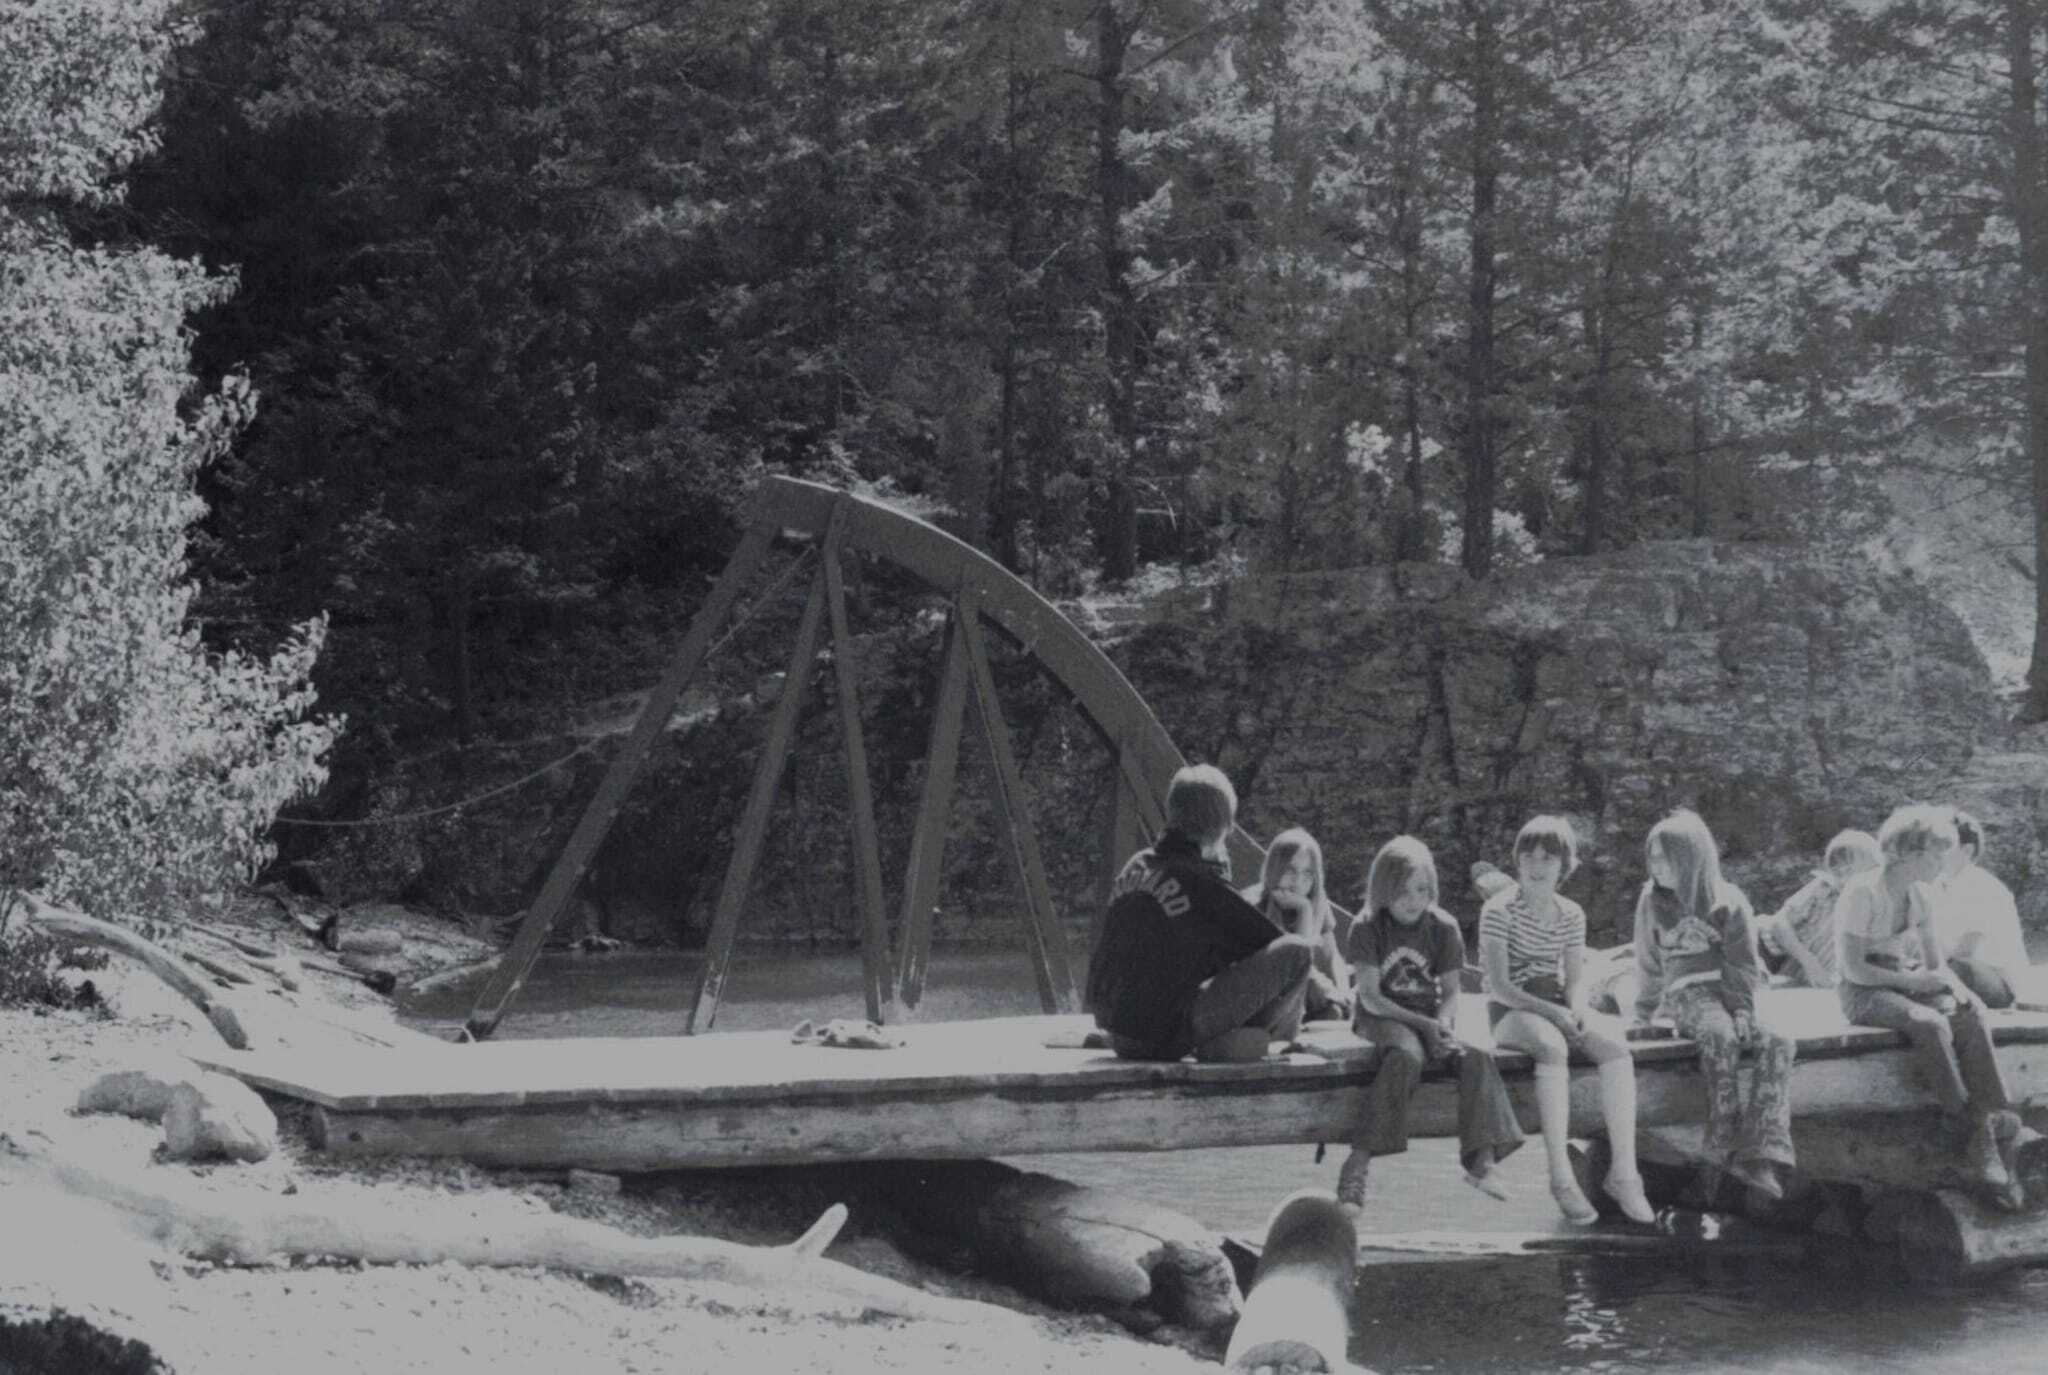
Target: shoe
[1352,1176]
[1981,1156]
[1627,1192]
[1759,1175]
[1485,1184]
[1572,1203]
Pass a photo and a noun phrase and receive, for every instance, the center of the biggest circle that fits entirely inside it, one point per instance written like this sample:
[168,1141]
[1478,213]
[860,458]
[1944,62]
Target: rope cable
[584,748]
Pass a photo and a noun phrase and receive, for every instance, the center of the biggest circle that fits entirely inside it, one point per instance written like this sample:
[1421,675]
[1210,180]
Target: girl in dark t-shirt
[1408,955]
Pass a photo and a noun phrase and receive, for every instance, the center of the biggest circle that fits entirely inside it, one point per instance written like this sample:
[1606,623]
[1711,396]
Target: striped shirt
[1536,945]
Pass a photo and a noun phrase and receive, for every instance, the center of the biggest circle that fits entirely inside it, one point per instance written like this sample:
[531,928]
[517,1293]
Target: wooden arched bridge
[981,593]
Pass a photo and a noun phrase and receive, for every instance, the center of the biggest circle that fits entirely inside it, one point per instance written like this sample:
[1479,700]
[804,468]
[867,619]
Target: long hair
[1684,840]
[1398,861]
[1289,843]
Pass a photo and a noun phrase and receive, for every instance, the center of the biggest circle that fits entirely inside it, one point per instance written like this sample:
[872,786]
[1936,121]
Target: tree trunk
[2030,215]
[1118,535]
[168,1208]
[1482,477]
[1066,1242]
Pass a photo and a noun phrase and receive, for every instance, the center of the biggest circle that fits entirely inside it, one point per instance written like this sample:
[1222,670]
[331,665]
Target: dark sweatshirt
[1174,922]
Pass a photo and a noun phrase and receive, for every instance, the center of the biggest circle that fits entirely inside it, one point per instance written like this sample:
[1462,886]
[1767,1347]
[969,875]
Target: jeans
[1487,1130]
[1955,1048]
[1268,988]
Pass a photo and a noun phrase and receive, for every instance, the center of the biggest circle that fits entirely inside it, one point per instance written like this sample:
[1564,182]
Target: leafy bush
[134,764]
[29,973]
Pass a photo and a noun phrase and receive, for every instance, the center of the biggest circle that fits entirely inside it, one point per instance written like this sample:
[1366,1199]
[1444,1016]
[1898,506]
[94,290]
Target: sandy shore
[318,1315]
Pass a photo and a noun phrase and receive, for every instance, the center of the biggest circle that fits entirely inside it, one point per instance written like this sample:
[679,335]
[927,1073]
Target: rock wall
[1783,693]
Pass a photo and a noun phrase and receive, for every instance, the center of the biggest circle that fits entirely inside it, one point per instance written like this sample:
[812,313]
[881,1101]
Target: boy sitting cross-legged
[1184,963]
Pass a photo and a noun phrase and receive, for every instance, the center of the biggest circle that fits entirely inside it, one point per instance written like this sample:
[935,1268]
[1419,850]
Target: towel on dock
[848,1032]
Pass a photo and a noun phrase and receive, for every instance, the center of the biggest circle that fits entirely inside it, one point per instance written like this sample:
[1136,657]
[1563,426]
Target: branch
[84,930]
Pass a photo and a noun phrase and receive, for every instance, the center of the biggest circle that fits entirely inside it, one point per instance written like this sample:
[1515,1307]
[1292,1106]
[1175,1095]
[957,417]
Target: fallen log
[220,969]
[1066,1242]
[1951,1235]
[454,975]
[1905,1150]
[168,1209]
[83,930]
[1298,1313]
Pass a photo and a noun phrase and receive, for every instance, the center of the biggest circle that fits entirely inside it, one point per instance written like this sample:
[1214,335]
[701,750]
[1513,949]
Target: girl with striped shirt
[1532,946]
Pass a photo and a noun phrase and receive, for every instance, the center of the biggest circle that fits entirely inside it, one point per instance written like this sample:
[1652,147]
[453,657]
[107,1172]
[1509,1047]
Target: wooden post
[1041,924]
[739,870]
[590,831]
[1298,1314]
[934,816]
[877,974]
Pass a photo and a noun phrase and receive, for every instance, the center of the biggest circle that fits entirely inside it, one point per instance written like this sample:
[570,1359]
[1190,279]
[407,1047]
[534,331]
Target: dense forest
[512,300]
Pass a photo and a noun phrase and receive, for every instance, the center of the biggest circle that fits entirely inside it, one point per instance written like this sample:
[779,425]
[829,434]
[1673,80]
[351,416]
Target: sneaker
[1981,1156]
[1486,1184]
[1627,1192]
[1352,1177]
[1572,1203]
[1758,1175]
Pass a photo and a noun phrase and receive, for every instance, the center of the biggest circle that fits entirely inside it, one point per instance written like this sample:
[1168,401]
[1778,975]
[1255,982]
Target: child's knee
[1296,953]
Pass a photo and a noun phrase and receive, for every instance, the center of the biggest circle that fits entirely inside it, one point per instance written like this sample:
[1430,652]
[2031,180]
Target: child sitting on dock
[1409,954]
[1893,976]
[1186,964]
[1978,921]
[1696,962]
[1294,866]
[1532,946]
[1798,944]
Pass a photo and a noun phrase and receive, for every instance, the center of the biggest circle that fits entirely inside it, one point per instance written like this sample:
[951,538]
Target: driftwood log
[1066,1242]
[167,1209]
[83,930]
[1298,1313]
[1949,1234]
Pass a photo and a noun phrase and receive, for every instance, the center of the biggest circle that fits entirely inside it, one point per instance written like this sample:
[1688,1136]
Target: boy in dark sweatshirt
[1184,963]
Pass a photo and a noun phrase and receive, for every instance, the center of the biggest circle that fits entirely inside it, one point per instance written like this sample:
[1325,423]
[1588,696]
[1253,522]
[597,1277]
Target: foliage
[64,1343]
[535,291]
[29,972]
[133,762]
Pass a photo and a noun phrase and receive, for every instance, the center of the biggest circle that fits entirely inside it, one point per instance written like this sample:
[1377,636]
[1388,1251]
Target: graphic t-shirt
[1411,961]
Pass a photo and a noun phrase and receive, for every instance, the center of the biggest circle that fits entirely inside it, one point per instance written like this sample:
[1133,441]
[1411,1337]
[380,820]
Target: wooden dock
[998,1087]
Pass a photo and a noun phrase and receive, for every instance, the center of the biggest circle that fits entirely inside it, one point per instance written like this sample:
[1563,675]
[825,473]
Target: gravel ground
[315,1314]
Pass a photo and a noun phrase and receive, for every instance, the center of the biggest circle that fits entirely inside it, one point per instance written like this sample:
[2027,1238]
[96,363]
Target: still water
[1829,1309]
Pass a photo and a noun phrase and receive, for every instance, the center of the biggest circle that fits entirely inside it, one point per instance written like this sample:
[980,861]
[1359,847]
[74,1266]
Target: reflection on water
[1685,1313]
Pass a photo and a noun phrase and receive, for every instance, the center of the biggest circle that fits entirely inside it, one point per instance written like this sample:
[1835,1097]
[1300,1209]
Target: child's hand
[1745,1028]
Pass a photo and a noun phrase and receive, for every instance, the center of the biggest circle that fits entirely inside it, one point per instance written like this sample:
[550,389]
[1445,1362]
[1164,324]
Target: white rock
[215,1116]
[141,1090]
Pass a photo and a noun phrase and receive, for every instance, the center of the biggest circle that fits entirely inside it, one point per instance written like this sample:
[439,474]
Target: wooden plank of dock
[961,1090]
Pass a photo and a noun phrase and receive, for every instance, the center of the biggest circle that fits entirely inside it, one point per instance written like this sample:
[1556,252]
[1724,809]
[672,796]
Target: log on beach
[169,1208]
[1066,1242]
[1298,1313]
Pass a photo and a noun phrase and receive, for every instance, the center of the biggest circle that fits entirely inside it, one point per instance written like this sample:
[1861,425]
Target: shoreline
[324,1315]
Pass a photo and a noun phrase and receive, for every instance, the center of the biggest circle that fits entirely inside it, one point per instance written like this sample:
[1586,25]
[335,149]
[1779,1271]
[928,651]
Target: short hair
[1689,847]
[1549,835]
[1398,861]
[1200,802]
[1969,833]
[1915,829]
[1852,845]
